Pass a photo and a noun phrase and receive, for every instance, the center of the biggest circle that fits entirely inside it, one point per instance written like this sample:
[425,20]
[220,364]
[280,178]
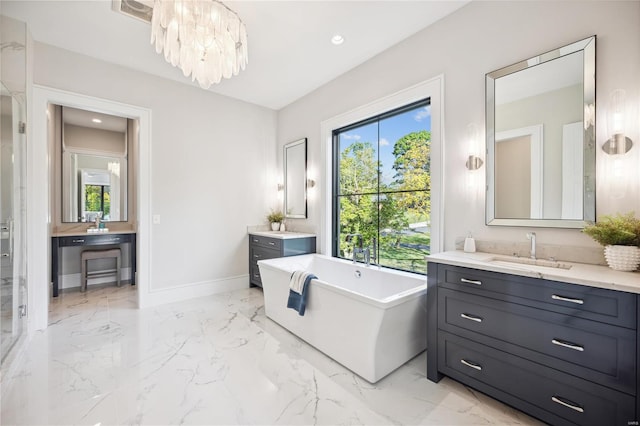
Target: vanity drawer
[261,253]
[600,352]
[93,240]
[608,306]
[254,276]
[259,240]
[555,397]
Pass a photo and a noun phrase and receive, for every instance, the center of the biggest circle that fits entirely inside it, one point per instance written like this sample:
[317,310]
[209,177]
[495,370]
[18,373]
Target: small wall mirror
[540,121]
[94,166]
[295,179]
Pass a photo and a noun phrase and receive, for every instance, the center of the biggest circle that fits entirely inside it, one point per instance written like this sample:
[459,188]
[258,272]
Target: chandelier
[204,38]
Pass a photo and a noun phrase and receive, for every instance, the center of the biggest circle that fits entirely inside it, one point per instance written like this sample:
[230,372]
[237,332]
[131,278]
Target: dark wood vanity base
[564,353]
[262,247]
[110,238]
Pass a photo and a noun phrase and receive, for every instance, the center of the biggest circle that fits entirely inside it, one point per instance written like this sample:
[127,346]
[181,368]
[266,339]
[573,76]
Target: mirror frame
[291,145]
[588,46]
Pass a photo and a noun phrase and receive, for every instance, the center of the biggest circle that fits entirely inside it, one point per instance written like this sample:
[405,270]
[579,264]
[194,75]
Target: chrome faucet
[365,251]
[357,247]
[532,236]
[374,255]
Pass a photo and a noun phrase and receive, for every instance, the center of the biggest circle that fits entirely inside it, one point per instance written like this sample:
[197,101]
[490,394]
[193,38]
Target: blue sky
[391,129]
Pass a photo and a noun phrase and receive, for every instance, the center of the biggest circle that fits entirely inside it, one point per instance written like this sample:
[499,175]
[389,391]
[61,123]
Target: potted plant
[275,218]
[620,235]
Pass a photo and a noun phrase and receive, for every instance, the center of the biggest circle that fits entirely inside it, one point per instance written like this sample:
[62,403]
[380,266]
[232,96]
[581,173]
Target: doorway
[40,199]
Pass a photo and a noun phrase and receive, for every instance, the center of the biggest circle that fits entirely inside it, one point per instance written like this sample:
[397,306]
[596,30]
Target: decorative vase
[275,226]
[622,258]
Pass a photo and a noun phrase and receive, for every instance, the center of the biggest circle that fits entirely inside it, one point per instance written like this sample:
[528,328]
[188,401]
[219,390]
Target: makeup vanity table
[61,240]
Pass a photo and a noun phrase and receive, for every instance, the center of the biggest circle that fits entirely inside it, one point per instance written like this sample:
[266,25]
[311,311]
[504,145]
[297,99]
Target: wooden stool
[99,254]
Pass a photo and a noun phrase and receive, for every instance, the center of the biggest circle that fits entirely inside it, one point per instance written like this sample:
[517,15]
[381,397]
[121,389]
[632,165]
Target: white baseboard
[193,290]
[73,280]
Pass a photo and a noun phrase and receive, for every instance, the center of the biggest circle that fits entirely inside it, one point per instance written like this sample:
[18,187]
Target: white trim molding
[195,290]
[432,89]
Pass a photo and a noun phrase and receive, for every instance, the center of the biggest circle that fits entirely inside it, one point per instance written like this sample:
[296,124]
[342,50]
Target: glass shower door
[13,219]
[13,289]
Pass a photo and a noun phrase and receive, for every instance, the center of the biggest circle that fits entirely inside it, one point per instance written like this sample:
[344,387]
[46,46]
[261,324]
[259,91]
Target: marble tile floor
[6,316]
[212,360]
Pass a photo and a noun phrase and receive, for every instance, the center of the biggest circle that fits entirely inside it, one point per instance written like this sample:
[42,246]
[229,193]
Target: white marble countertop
[579,273]
[282,235]
[85,232]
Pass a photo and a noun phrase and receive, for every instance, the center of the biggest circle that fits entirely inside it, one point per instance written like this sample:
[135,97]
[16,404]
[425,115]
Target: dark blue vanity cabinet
[262,247]
[564,353]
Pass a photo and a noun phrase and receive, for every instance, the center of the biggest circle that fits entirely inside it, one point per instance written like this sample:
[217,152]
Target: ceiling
[290,53]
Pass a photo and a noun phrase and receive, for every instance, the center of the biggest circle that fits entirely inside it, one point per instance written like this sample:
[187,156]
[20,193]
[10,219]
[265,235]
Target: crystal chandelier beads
[204,38]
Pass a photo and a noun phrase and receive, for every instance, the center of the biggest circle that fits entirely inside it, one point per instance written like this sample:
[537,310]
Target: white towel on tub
[296,283]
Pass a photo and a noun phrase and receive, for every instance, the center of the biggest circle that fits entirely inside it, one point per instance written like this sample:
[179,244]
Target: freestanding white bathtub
[370,320]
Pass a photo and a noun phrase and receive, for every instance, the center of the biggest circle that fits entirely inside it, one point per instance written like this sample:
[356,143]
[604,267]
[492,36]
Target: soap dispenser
[469,244]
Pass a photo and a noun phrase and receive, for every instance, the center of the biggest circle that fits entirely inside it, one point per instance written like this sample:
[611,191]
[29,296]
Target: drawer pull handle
[271,243]
[77,241]
[471,364]
[471,317]
[568,345]
[255,240]
[464,280]
[574,406]
[567,299]
[257,256]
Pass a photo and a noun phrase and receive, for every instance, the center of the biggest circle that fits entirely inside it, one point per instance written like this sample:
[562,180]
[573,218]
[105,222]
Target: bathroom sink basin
[525,261]
[97,230]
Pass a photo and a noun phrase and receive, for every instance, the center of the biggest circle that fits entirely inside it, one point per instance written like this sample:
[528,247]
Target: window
[98,199]
[381,187]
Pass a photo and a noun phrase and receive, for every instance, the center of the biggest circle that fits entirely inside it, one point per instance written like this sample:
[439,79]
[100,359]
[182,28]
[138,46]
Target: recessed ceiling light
[96,120]
[337,39]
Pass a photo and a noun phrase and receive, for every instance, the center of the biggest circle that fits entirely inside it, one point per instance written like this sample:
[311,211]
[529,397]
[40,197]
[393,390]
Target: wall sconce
[474,162]
[310,184]
[619,143]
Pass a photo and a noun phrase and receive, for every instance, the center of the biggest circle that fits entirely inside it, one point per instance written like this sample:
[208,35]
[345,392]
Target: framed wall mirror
[94,166]
[540,122]
[295,179]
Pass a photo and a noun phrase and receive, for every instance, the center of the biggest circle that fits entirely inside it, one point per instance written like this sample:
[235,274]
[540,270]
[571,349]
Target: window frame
[335,175]
[432,89]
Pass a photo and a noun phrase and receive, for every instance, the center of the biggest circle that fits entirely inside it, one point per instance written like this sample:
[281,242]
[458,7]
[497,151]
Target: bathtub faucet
[357,246]
[367,253]
[374,248]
